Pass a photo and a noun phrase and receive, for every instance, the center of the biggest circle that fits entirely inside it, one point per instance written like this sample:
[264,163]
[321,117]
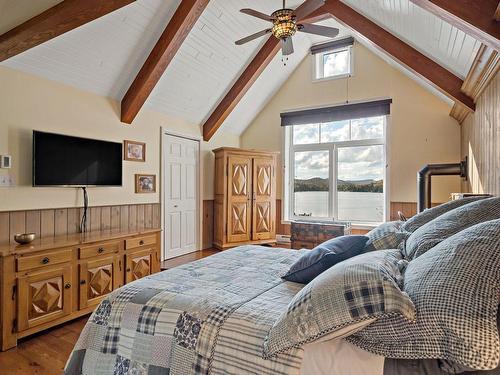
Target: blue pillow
[324,256]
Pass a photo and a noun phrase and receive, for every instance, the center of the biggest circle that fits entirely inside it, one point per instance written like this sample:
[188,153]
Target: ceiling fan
[286,22]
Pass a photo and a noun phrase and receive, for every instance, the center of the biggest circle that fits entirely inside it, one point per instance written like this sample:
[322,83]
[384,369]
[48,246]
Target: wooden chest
[307,235]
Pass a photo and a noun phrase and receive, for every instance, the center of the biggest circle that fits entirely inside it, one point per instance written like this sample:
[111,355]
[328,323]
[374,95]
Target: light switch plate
[5,161]
[7,180]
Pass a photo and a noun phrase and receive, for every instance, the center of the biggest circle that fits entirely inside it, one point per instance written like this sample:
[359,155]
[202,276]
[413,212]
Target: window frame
[288,166]
[318,64]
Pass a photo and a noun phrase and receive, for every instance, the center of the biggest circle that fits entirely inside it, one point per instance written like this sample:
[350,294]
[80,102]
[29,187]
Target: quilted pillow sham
[356,290]
[385,236]
[455,287]
[446,225]
[324,256]
[424,217]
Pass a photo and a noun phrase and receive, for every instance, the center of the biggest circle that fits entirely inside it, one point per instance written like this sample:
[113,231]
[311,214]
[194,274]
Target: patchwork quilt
[206,317]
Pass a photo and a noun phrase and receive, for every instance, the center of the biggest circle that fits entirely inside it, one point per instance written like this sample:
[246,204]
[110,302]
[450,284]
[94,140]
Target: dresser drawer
[133,243]
[29,262]
[99,249]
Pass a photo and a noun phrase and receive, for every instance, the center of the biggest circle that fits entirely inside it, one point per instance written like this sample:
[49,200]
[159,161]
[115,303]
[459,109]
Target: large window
[336,170]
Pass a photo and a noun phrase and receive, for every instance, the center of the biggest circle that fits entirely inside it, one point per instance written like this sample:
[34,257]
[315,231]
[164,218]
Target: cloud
[336,63]
[306,134]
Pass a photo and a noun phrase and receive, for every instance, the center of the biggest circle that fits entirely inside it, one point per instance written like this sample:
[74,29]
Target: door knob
[175,206]
[45,260]
[100,250]
[67,285]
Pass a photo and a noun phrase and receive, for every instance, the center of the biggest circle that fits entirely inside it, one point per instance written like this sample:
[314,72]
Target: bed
[211,317]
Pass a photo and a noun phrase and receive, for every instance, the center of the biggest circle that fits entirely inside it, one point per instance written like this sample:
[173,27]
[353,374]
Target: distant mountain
[321,184]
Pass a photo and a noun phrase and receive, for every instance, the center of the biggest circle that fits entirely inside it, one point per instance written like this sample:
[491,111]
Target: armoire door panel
[239,199]
[264,199]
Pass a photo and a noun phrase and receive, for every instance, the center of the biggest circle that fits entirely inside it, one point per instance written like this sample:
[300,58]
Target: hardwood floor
[46,353]
[174,262]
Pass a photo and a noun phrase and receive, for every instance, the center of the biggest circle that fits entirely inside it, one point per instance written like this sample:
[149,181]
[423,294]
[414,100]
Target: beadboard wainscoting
[481,142]
[63,221]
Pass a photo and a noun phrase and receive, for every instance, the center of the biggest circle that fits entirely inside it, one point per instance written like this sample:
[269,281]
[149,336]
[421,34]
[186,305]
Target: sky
[355,163]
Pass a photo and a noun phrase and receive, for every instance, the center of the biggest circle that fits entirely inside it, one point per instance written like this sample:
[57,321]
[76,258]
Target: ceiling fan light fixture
[284,25]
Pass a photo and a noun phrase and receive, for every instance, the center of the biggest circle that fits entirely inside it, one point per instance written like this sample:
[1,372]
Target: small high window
[333,59]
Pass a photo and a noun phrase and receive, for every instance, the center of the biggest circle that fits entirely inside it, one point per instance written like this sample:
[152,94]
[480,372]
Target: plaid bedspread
[206,317]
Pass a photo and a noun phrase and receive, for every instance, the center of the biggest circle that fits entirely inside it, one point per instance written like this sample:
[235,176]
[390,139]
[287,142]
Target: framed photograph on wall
[145,183]
[134,151]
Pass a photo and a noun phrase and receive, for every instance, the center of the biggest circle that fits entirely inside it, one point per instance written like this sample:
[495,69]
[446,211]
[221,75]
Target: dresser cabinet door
[44,296]
[239,199]
[139,263]
[98,278]
[264,199]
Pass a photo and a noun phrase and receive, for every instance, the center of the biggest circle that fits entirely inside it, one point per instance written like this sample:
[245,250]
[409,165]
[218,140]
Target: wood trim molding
[497,13]
[55,21]
[160,57]
[473,17]
[484,68]
[421,65]
[459,112]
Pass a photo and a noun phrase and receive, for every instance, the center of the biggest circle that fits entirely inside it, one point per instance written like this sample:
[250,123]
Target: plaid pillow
[385,236]
[356,290]
[446,225]
[415,222]
[456,290]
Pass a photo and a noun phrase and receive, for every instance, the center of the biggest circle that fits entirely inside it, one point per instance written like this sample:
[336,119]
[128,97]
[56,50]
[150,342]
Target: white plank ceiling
[444,43]
[104,56]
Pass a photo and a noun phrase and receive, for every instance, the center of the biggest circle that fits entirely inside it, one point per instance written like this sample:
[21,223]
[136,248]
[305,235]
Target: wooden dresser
[245,197]
[57,279]
[307,235]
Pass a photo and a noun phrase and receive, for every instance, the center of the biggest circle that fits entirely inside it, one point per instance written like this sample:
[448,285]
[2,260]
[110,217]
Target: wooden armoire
[245,197]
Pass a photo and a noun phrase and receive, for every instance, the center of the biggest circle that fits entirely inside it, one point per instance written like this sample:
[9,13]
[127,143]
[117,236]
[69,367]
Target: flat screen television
[62,160]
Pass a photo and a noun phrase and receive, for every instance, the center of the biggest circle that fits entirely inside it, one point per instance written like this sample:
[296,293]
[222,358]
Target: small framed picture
[134,151]
[145,183]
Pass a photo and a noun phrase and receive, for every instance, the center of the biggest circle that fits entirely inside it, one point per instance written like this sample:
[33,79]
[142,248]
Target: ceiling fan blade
[330,32]
[307,8]
[257,14]
[252,37]
[287,46]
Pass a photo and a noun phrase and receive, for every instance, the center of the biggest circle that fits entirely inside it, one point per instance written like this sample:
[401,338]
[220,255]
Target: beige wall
[28,102]
[481,142]
[421,130]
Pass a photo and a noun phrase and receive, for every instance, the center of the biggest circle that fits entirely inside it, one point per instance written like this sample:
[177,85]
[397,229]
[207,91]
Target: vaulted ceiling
[105,55]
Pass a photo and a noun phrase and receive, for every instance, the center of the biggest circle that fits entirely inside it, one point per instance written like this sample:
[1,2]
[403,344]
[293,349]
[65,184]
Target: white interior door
[181,163]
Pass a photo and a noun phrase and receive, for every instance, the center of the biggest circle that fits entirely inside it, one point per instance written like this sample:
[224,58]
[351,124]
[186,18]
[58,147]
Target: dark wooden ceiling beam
[248,78]
[160,57]
[474,17]
[59,19]
[241,86]
[421,65]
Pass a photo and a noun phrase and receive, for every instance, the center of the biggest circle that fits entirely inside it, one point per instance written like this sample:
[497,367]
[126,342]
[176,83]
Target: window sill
[332,78]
